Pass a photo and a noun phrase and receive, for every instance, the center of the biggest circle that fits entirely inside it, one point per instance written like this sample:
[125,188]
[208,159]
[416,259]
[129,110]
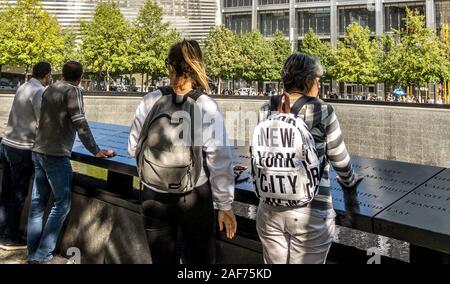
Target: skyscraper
[192,18]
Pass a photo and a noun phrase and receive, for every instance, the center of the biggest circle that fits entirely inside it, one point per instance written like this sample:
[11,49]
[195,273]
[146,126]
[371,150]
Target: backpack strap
[195,94]
[274,102]
[300,103]
[166,90]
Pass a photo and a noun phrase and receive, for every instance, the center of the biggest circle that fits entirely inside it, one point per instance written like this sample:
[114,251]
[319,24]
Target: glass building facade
[273,21]
[442,14]
[237,3]
[317,19]
[395,14]
[191,18]
[360,14]
[239,23]
[327,18]
[272,2]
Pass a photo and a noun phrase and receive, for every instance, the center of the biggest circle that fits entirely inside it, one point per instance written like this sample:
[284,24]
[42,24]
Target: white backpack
[285,164]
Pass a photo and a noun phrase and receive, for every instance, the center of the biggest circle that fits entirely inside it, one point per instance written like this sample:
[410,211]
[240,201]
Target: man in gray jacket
[17,143]
[62,116]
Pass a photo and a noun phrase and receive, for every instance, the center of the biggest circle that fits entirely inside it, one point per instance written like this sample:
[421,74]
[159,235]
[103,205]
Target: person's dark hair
[187,60]
[72,71]
[300,72]
[41,69]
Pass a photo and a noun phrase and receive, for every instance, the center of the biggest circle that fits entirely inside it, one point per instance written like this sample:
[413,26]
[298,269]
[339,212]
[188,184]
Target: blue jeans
[52,175]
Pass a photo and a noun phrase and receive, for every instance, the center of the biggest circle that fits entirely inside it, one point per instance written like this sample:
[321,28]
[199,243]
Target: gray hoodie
[22,123]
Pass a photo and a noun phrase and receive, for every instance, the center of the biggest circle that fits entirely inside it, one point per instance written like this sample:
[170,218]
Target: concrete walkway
[13,257]
[20,257]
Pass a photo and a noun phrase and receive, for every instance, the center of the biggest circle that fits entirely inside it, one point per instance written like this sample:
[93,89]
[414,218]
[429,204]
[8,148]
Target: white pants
[289,236]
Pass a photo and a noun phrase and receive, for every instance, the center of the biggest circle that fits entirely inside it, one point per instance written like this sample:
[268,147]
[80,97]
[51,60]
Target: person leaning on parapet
[62,116]
[303,234]
[17,144]
[178,190]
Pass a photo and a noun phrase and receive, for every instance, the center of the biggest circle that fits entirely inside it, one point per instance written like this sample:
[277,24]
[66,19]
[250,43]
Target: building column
[333,23]
[333,37]
[379,30]
[430,14]
[219,13]
[254,15]
[293,27]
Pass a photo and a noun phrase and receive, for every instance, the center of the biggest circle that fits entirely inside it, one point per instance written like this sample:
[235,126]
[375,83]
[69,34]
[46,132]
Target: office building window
[316,19]
[442,14]
[241,23]
[272,2]
[360,15]
[395,14]
[270,22]
[302,1]
[237,3]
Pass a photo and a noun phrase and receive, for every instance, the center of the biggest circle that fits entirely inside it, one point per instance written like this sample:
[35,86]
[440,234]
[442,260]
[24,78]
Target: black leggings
[166,216]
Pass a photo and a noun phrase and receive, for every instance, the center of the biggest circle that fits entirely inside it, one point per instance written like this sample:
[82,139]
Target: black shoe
[11,246]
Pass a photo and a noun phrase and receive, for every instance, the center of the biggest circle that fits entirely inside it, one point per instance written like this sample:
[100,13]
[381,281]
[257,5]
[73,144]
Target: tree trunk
[146,83]
[142,82]
[26,73]
[218,87]
[1,70]
[131,80]
[419,94]
[107,80]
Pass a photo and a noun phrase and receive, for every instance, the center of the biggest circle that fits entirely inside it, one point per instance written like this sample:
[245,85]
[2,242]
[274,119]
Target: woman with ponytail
[166,214]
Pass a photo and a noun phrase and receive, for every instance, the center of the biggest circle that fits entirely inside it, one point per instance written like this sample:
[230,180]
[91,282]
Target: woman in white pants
[304,234]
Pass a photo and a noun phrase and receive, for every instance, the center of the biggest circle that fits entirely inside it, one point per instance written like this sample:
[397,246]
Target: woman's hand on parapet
[105,154]
[227,220]
[352,186]
[351,202]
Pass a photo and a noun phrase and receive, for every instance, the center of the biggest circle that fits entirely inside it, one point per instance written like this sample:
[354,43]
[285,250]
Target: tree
[222,55]
[386,44]
[257,57]
[151,40]
[419,58]
[445,45]
[71,49]
[30,34]
[105,42]
[313,46]
[356,57]
[282,49]
[4,35]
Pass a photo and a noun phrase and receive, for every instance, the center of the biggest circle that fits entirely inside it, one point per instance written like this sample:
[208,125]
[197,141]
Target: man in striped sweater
[304,234]
[62,116]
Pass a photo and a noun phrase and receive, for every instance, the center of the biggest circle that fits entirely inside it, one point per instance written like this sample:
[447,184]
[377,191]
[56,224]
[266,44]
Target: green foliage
[419,57]
[105,41]
[71,48]
[323,51]
[281,48]
[29,34]
[386,45]
[356,57]
[222,54]
[150,41]
[258,57]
